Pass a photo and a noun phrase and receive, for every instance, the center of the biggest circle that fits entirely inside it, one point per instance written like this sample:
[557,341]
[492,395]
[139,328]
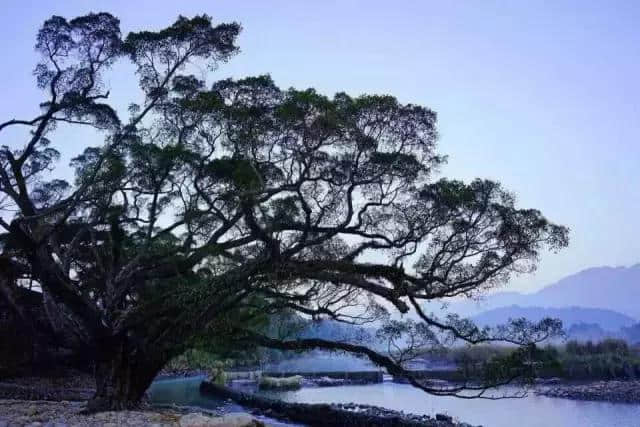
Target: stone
[31,410]
[229,420]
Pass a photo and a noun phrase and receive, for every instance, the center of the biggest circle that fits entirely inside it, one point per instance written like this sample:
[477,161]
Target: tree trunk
[123,374]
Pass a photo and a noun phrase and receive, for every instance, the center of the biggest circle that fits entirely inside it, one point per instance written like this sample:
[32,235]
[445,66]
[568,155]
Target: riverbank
[61,414]
[372,404]
[62,385]
[339,414]
[603,391]
[58,400]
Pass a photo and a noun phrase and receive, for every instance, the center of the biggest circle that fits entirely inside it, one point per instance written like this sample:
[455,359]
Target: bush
[607,359]
[193,360]
[283,383]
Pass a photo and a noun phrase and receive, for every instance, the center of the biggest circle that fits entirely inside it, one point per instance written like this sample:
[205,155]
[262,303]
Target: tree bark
[123,373]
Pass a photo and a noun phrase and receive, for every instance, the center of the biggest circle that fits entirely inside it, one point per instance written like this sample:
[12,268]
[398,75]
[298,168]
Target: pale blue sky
[543,96]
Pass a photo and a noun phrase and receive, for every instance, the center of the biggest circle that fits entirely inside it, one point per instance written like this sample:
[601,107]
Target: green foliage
[195,34]
[194,360]
[607,359]
[477,353]
[525,362]
[280,383]
[239,172]
[217,374]
[499,363]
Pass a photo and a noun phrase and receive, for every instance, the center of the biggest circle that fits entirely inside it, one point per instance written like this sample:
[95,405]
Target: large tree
[214,206]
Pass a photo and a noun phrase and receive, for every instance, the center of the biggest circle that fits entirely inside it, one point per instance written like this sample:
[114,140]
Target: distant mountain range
[616,289]
[571,317]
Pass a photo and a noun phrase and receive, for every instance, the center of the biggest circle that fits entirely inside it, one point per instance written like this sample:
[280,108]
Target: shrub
[284,383]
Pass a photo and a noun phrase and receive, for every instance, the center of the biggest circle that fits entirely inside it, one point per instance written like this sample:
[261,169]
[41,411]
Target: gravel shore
[65,385]
[607,391]
[63,414]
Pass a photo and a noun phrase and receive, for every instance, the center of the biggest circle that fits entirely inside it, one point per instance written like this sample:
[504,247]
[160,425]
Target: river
[531,411]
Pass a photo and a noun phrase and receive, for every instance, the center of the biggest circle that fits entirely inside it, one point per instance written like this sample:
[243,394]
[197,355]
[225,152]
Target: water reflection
[186,392]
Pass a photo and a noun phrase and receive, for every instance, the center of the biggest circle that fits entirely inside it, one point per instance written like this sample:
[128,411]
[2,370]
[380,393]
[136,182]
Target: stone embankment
[608,391]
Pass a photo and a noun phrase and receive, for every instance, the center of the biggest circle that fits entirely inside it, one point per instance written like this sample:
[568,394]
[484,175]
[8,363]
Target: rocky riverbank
[64,385]
[608,391]
[57,400]
[63,414]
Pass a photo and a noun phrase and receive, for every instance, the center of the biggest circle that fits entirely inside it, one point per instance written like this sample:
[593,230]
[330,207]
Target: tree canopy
[214,207]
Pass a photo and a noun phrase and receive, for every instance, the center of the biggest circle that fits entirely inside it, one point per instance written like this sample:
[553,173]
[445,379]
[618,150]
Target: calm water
[186,392]
[532,411]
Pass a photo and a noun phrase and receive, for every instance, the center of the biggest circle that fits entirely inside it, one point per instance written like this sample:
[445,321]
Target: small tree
[212,208]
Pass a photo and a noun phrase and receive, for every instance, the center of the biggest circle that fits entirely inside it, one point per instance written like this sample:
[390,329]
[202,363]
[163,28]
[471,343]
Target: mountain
[604,287]
[608,288]
[571,316]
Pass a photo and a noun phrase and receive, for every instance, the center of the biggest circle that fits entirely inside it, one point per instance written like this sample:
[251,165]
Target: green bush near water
[607,359]
[283,383]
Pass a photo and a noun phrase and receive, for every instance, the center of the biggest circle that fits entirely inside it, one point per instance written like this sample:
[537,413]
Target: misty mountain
[571,317]
[608,288]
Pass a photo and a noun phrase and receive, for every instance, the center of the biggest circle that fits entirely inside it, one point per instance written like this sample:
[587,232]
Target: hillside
[608,288]
[607,319]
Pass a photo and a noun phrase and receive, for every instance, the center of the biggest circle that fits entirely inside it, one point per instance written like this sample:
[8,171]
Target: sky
[543,96]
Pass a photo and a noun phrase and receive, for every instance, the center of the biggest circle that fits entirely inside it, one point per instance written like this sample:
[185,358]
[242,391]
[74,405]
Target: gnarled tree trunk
[123,374]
